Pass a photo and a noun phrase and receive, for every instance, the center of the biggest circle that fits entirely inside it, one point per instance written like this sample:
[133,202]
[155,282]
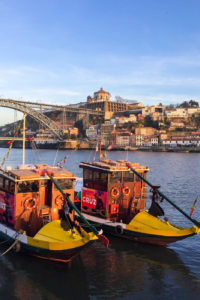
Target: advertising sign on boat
[7,207]
[94,200]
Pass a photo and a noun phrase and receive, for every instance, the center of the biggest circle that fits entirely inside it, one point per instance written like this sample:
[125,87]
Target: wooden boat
[30,210]
[113,196]
[37,211]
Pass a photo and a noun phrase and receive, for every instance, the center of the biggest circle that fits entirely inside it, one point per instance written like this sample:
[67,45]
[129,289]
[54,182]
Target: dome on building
[101,95]
[101,91]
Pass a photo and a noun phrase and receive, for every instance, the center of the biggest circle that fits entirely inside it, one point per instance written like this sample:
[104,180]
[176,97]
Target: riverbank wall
[87,146]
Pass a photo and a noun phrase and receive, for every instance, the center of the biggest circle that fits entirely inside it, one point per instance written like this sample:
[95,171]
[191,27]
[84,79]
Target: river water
[126,270]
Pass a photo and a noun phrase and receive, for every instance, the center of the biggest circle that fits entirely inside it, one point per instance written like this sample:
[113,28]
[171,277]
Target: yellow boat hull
[149,229]
[55,243]
[144,228]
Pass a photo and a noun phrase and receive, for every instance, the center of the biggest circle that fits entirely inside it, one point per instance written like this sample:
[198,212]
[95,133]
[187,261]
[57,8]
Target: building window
[65,184]
[1,182]
[87,178]
[116,177]
[28,186]
[128,177]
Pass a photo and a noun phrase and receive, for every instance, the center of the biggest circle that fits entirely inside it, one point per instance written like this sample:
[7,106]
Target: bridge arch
[37,115]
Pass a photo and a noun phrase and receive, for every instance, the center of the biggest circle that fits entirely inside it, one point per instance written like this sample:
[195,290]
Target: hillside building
[123,139]
[156,112]
[101,101]
[147,131]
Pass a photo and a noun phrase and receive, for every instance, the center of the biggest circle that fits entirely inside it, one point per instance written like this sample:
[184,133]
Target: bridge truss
[34,110]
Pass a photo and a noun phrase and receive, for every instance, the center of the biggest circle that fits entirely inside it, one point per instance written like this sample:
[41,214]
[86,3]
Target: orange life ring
[115,192]
[126,191]
[30,203]
[59,200]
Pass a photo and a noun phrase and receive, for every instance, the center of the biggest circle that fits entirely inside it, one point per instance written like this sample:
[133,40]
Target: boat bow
[148,226]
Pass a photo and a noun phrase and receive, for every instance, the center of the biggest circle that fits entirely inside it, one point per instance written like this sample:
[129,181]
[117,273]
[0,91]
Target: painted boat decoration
[113,196]
[32,219]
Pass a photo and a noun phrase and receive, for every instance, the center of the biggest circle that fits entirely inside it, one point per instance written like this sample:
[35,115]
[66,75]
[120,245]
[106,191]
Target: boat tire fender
[119,229]
[102,213]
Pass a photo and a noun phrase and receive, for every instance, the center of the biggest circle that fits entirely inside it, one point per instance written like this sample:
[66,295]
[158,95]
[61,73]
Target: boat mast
[24,134]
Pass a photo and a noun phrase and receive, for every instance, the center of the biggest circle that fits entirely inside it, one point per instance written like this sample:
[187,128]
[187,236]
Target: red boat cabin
[111,191]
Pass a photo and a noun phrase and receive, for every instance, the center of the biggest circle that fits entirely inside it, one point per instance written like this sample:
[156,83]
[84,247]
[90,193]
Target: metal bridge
[35,110]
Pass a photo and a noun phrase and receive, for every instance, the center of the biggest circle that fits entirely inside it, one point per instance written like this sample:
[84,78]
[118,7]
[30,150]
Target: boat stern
[56,243]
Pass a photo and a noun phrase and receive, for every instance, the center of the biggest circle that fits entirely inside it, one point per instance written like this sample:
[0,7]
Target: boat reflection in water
[137,270]
[126,270]
[40,279]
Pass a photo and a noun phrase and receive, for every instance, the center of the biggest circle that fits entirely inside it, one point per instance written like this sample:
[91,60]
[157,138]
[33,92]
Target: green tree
[184,104]
[193,103]
[188,104]
[149,122]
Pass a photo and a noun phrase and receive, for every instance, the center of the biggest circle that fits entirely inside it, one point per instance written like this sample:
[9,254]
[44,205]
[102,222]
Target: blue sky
[61,51]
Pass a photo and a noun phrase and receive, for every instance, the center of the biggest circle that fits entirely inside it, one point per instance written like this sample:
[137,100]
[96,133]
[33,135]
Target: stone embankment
[85,145]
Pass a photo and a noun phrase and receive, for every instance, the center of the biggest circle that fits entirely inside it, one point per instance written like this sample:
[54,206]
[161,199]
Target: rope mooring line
[10,237]
[13,244]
